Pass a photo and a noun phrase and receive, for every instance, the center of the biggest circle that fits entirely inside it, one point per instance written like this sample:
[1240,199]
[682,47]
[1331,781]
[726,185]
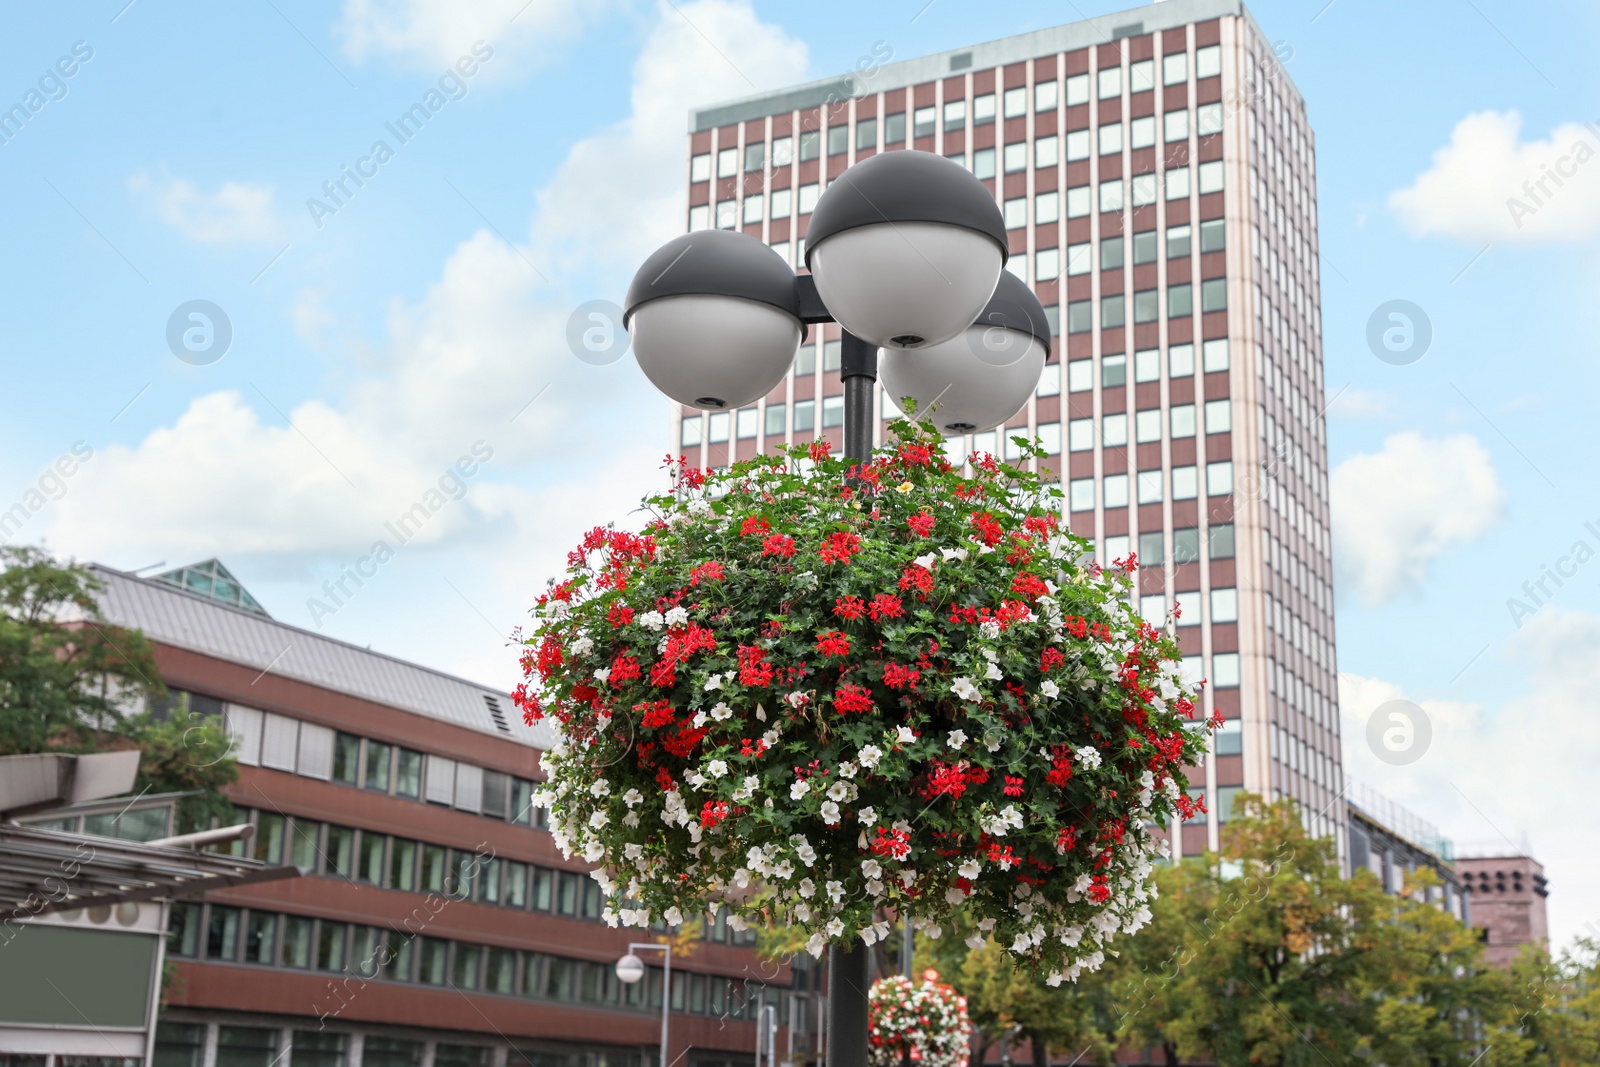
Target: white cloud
[1488,184]
[311,318]
[238,212]
[1398,509]
[1353,403]
[430,35]
[1500,778]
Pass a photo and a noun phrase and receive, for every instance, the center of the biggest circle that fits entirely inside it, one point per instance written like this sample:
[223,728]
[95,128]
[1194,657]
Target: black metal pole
[847,1004]
[858,369]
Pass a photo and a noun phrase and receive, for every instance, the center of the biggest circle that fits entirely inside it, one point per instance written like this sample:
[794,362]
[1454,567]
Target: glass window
[1111,253]
[1208,119]
[1214,294]
[1078,202]
[1225,605]
[561,978]
[700,217]
[1185,484]
[489,881]
[346,758]
[246,1046]
[1016,157]
[727,162]
[463,869]
[1152,553]
[894,128]
[1180,361]
[1016,213]
[983,163]
[838,140]
[1052,314]
[1079,259]
[268,844]
[1180,301]
[408,774]
[810,145]
[1175,68]
[1210,177]
[516,886]
[1077,145]
[1208,61]
[922,121]
[1111,195]
[775,420]
[955,115]
[1110,138]
[464,967]
[1045,152]
[1077,89]
[1142,132]
[1080,494]
[1044,96]
[432,960]
[183,929]
[370,868]
[1219,416]
[691,430]
[330,945]
[1114,430]
[1219,478]
[1145,247]
[1110,82]
[782,152]
[1116,548]
[1147,426]
[390,1052]
[745,423]
[1142,76]
[1175,126]
[1225,669]
[1221,541]
[567,892]
[1047,264]
[1080,375]
[1143,188]
[1186,543]
[403,864]
[1213,235]
[1182,420]
[1016,102]
[462,1055]
[1147,366]
[379,758]
[399,967]
[1216,354]
[717,427]
[296,941]
[339,851]
[1146,305]
[1049,433]
[1113,371]
[533,974]
[1080,316]
[435,865]
[222,934]
[808,198]
[832,355]
[367,946]
[1177,242]
[867,134]
[832,411]
[543,894]
[1080,433]
[500,974]
[983,109]
[1113,311]
[1116,490]
[755,208]
[755,155]
[1150,487]
[804,415]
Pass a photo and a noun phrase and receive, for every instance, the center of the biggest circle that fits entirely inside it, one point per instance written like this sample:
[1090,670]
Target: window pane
[1077,89]
[346,756]
[222,934]
[922,122]
[1112,311]
[1016,102]
[838,140]
[435,860]
[1214,294]
[810,145]
[268,844]
[330,946]
[1044,96]
[464,967]
[983,163]
[1177,242]
[296,941]
[1221,538]
[754,156]
[305,844]
[955,115]
[1180,301]
[370,868]
[775,420]
[894,128]
[260,936]
[1213,236]
[183,929]
[408,774]
[867,134]
[432,957]
[340,851]
[1186,544]
[1113,371]
[403,865]
[1111,253]
[1145,247]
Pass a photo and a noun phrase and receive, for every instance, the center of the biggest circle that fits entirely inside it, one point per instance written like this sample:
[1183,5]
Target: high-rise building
[1156,170]
[434,924]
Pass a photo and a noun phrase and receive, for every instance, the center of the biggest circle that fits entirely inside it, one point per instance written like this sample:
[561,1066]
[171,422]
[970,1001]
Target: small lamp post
[906,252]
[630,969]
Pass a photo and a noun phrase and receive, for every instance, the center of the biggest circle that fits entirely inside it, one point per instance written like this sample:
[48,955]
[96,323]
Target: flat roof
[1068,37]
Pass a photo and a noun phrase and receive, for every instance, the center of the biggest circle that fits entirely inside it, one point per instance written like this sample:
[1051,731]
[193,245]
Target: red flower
[848,698]
[849,607]
[778,545]
[623,669]
[921,524]
[986,528]
[885,606]
[754,525]
[550,656]
[918,578]
[833,643]
[713,812]
[754,670]
[1066,839]
[656,714]
[620,615]
[711,571]
[820,450]
[899,676]
[682,743]
[892,843]
[1029,586]
[532,712]
[915,455]
[1098,891]
[1060,766]
[1050,659]
[1013,787]
[839,547]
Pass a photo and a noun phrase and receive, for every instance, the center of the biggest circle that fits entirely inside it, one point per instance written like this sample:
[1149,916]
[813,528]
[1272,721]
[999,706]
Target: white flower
[741,878]
[713,681]
[631,820]
[992,673]
[717,768]
[1088,756]
[784,871]
[807,888]
[970,869]
[926,561]
[954,895]
[933,933]
[839,791]
[599,788]
[747,788]
[582,646]
[830,813]
[677,616]
[652,620]
[699,720]
[953,553]
[816,944]
[698,506]
[633,798]
[989,629]
[722,713]
[976,941]
[796,699]
[835,927]
[868,815]
[835,891]
[603,674]
[870,755]
[599,819]
[957,738]
[1049,689]
[848,769]
[799,789]
[904,735]
[770,737]
[965,689]
[872,868]
[674,917]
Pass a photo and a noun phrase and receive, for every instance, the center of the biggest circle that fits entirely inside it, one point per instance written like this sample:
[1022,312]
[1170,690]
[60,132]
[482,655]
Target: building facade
[434,924]
[1393,843]
[1156,170]
[1508,904]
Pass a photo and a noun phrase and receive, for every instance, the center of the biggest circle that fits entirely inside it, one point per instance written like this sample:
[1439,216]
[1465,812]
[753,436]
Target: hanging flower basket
[925,1022]
[811,691]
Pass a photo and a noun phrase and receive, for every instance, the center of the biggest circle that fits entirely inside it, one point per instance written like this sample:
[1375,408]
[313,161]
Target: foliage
[816,690]
[186,753]
[925,1022]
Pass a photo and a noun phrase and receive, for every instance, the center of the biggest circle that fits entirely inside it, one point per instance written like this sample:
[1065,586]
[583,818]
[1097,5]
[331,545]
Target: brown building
[435,924]
[1508,894]
[1156,169]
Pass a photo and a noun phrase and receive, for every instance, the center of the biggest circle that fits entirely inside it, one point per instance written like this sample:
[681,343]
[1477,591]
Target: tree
[1147,992]
[1077,1019]
[70,681]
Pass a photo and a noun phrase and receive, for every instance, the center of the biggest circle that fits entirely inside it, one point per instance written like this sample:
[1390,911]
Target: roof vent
[1132,29]
[961,61]
[499,717]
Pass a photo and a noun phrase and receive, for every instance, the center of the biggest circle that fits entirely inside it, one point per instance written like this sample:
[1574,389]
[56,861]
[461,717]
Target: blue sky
[373,351]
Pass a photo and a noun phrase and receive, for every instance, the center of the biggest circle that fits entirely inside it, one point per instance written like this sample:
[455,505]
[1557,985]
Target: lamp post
[906,252]
[630,969]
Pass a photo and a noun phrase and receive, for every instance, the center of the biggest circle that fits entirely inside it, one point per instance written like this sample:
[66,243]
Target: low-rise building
[1508,894]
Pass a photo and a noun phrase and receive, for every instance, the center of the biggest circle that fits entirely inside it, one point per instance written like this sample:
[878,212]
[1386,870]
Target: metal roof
[173,616]
[45,871]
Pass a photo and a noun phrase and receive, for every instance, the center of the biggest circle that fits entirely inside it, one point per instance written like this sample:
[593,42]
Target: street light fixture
[906,252]
[630,969]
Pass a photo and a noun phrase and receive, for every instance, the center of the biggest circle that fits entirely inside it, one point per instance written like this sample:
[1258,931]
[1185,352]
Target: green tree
[1147,992]
[72,682]
[1076,1019]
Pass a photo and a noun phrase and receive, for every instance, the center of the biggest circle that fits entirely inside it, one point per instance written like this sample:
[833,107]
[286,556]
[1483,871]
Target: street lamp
[906,252]
[630,969]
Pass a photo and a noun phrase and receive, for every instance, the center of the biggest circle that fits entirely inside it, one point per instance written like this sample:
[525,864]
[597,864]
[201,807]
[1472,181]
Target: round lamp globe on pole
[714,317]
[981,377]
[906,248]
[630,969]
